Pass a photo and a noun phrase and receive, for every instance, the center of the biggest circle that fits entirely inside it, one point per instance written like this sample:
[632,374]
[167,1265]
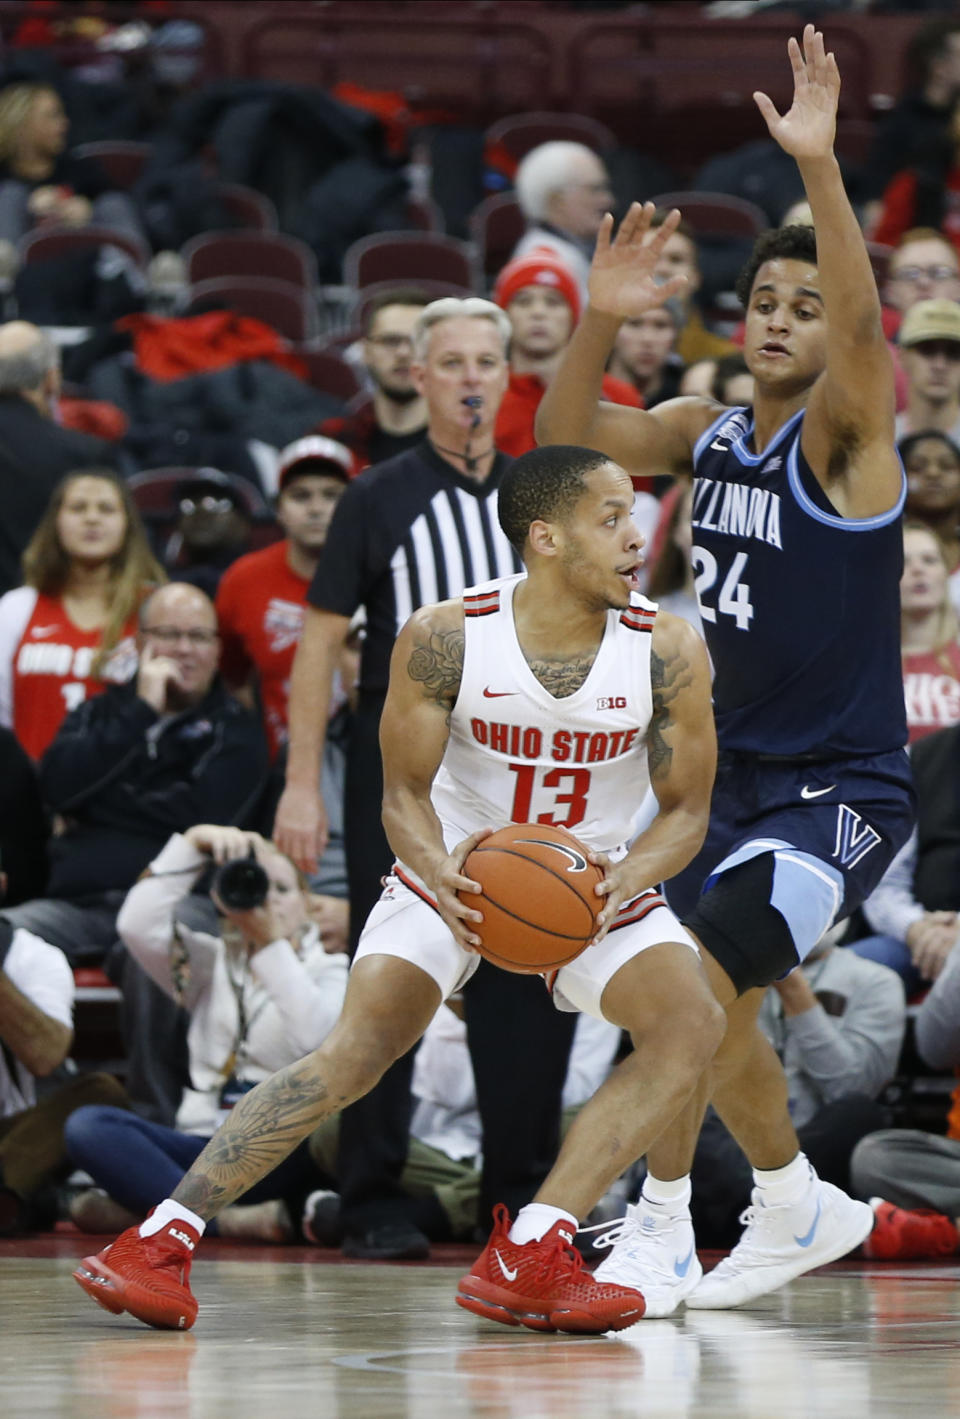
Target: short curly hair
[545,483]
[781,243]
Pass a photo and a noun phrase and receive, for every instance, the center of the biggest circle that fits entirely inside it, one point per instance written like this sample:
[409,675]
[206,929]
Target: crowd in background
[170,469]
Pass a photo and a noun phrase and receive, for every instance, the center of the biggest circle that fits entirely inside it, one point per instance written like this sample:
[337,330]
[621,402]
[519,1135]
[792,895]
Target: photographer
[260,994]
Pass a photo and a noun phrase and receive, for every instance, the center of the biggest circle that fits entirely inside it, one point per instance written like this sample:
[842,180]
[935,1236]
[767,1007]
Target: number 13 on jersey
[568,789]
[734,598]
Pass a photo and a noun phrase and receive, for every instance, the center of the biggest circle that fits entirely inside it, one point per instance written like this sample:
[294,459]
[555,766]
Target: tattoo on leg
[263,1129]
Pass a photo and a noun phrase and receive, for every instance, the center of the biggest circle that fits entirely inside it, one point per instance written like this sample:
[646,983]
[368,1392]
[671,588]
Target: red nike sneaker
[901,1234]
[543,1285]
[147,1276]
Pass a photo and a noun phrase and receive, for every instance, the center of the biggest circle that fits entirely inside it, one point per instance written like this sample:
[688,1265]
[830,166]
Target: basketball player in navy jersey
[797,556]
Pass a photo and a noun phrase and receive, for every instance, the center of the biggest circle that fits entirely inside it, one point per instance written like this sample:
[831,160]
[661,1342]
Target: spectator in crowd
[423,523]
[913,1177]
[41,180]
[260,608]
[930,355]
[23,825]
[679,258]
[698,378]
[261,991]
[913,909]
[165,750]
[837,1022]
[932,464]
[732,382]
[36,1031]
[396,416]
[923,267]
[213,528]
[644,355]
[35,452]
[71,628]
[563,190]
[916,123]
[542,300]
[928,635]
[261,597]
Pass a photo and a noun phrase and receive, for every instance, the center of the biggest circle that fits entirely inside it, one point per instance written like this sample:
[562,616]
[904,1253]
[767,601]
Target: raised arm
[425,671]
[621,285]
[849,430]
[682,758]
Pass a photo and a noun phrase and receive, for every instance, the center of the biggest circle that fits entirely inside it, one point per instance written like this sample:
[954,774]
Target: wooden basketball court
[297,1333]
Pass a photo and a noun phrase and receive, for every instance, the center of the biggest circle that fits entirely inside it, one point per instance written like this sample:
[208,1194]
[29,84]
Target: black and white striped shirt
[406,533]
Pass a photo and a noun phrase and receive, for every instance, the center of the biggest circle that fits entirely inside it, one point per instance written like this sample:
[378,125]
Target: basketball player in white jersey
[554,697]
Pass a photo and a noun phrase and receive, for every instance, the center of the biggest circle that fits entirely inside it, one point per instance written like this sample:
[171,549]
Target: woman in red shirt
[72,626]
[928,635]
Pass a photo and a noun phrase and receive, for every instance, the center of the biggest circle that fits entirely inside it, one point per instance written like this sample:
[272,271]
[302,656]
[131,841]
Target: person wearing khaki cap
[930,355]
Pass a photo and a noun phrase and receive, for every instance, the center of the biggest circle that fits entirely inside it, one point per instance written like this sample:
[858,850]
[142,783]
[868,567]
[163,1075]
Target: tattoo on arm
[436,662]
[260,1132]
[669,676]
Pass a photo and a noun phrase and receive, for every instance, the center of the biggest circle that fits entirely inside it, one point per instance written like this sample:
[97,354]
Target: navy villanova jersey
[800,607]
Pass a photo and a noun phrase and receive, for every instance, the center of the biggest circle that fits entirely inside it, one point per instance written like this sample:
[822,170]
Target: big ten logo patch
[609,702]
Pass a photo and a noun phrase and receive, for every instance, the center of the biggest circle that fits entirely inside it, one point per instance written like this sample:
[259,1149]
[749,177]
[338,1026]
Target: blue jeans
[139,1163]
[890,951]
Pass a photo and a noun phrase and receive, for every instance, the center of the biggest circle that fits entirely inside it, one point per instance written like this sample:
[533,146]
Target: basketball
[539,906]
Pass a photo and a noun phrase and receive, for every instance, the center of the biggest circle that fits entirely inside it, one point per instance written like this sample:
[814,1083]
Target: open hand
[807,129]
[621,278]
[450,880]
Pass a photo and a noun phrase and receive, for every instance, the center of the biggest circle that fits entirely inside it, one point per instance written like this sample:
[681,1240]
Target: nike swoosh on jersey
[489,694]
[807,1237]
[680,1268]
[510,1275]
[808,792]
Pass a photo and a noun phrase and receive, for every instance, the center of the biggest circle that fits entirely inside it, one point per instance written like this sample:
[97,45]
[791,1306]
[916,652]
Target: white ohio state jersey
[518,754]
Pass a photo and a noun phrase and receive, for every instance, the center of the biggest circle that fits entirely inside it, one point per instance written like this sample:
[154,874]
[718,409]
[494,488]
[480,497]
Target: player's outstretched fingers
[636,223]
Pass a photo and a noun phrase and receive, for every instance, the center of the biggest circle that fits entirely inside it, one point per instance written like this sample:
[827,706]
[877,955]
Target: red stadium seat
[123,162]
[496,226]
[264,255]
[402,257]
[247,207]
[715,213]
[329,372]
[289,309]
[154,493]
[434,290]
[424,215]
[48,243]
[521,132]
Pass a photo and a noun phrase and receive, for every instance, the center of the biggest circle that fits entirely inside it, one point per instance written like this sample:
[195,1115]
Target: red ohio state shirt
[45,665]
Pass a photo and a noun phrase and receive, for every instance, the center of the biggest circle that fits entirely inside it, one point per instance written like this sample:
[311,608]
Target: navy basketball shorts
[818,835]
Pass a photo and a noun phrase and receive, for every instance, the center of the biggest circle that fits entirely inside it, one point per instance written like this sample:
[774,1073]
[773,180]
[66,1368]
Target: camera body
[241,883]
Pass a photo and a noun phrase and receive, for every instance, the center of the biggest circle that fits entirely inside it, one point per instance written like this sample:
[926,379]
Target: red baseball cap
[538,267]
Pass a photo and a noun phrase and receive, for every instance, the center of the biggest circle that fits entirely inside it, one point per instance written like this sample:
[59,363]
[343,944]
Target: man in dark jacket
[35,452]
[169,749]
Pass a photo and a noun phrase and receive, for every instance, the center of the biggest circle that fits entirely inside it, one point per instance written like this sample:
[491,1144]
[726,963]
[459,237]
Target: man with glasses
[930,355]
[563,190]
[168,749]
[395,417]
[923,267]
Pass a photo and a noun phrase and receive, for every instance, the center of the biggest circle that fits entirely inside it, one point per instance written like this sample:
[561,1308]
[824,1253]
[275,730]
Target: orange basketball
[539,906]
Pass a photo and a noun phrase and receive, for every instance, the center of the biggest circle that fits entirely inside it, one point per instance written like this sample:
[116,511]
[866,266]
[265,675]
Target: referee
[416,529]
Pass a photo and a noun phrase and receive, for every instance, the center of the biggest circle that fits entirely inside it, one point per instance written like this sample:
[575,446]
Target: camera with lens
[241,884]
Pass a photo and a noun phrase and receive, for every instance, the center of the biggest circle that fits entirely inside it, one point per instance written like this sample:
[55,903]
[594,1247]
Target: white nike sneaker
[654,1254]
[783,1242]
